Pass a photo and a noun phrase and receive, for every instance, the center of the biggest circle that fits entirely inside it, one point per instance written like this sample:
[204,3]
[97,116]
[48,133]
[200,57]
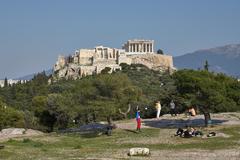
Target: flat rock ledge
[18,132]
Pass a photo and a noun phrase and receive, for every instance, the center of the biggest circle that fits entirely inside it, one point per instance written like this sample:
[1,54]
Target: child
[138,119]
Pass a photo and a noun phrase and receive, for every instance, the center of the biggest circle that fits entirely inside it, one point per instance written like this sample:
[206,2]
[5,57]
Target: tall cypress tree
[206,65]
[5,82]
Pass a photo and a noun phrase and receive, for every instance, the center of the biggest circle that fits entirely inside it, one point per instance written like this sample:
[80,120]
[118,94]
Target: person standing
[138,119]
[173,108]
[158,108]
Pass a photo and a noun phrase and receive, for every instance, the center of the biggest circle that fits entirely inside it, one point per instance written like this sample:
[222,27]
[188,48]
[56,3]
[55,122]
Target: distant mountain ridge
[224,59]
[30,76]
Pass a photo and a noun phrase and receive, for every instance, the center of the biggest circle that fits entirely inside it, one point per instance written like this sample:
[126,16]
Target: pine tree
[206,65]
[5,82]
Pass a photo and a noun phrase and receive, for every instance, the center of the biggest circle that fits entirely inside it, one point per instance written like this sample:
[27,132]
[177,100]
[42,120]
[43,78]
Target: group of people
[191,112]
[188,133]
[172,108]
[158,109]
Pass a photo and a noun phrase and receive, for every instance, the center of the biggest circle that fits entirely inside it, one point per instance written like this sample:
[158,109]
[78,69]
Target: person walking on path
[173,108]
[138,119]
[158,108]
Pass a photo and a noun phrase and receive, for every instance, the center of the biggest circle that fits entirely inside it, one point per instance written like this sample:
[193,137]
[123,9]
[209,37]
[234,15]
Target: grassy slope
[70,146]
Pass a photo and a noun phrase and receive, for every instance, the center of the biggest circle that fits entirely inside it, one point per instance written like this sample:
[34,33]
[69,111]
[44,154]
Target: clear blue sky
[33,33]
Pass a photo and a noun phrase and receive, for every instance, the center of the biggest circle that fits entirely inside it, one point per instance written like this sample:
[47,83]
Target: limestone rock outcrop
[153,61]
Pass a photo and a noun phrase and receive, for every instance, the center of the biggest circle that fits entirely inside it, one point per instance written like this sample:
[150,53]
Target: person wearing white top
[158,108]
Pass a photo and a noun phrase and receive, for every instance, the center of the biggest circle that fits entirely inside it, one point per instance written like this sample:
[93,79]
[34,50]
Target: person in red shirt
[138,119]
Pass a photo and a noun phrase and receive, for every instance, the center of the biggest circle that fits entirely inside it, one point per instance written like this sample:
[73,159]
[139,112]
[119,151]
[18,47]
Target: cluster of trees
[68,103]
[215,92]
[73,102]
[10,116]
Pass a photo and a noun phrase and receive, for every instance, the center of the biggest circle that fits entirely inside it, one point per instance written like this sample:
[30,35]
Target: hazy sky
[34,32]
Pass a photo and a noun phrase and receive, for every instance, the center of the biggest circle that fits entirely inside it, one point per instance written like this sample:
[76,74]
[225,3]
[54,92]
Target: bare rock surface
[7,133]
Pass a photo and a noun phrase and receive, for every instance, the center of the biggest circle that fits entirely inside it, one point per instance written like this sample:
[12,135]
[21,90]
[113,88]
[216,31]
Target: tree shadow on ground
[180,123]
[91,130]
[130,130]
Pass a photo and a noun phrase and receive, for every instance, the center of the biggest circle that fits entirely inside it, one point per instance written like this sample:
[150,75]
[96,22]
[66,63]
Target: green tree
[206,65]
[159,51]
[106,70]
[206,89]
[5,82]
[9,117]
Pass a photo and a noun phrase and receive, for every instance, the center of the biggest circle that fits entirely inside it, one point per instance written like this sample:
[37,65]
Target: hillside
[224,59]
[68,103]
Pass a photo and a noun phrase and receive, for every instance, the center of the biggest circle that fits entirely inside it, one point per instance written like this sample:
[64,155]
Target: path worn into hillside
[167,121]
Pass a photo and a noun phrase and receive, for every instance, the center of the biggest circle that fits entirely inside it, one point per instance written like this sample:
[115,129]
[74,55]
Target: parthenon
[92,61]
[139,46]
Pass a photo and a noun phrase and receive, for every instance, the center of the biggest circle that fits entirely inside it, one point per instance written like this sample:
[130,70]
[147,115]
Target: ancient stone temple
[92,61]
[139,46]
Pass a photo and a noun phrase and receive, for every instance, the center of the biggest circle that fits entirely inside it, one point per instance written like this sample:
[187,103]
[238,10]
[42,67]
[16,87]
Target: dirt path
[167,121]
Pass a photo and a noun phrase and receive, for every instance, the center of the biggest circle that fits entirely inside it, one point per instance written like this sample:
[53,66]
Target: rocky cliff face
[71,70]
[154,61]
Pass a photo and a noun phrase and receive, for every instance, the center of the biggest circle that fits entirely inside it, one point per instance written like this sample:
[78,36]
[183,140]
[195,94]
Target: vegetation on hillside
[68,103]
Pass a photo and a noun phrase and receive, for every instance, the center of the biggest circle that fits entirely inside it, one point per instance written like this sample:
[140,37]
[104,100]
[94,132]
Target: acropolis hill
[92,61]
